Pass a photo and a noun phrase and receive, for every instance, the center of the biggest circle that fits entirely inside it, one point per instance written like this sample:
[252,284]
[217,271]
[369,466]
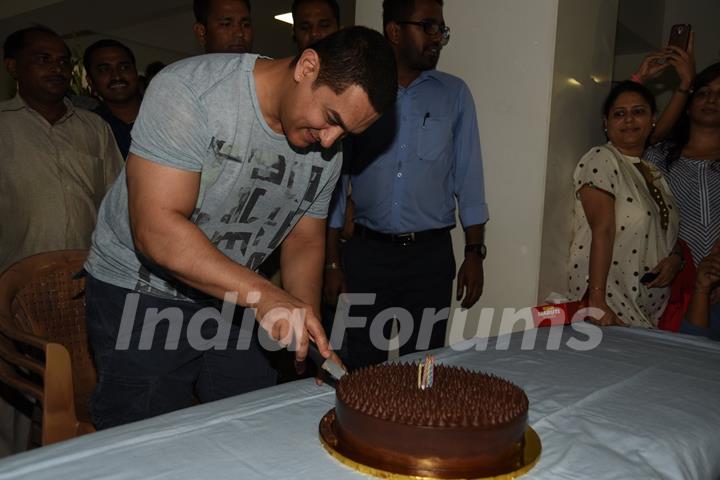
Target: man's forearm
[177,245]
[301,266]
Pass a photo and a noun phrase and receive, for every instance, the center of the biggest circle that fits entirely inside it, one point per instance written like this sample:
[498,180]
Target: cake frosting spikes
[459,397]
[468,424]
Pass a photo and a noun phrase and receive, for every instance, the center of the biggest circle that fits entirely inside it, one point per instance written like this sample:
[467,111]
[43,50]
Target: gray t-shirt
[202,115]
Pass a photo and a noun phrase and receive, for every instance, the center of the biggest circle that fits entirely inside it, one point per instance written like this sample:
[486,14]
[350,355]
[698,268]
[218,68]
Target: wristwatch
[478,248]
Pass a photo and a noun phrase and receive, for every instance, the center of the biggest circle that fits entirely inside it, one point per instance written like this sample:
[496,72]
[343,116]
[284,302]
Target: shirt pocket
[434,138]
[87,173]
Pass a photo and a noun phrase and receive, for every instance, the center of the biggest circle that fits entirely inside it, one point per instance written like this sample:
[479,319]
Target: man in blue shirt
[407,172]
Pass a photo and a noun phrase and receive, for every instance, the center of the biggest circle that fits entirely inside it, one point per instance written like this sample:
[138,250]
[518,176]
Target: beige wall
[584,53]
[529,118]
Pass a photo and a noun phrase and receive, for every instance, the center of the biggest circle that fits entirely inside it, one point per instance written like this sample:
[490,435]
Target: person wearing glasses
[407,172]
[57,160]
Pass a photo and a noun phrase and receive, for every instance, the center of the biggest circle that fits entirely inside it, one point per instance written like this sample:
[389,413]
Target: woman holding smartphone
[690,161]
[686,143]
[625,221]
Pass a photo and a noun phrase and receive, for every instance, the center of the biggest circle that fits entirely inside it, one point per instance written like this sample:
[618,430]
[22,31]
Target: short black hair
[358,56]
[624,87]
[201,8]
[16,41]
[399,10]
[333,4]
[105,43]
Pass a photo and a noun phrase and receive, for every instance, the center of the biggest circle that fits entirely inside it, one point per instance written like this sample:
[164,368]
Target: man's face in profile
[229,28]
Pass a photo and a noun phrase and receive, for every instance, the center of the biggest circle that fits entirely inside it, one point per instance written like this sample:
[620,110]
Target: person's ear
[11,67]
[392,32]
[308,66]
[199,30]
[93,90]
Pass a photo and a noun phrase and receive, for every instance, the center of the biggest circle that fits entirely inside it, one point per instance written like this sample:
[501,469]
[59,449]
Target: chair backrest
[43,305]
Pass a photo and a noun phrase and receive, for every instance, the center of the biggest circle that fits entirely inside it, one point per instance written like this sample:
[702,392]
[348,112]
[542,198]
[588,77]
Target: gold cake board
[329,440]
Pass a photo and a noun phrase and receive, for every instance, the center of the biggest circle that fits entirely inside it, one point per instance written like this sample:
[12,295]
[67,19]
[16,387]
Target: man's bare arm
[161,201]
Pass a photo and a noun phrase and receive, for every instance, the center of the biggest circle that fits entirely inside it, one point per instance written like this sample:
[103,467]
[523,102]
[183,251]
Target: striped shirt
[696,187]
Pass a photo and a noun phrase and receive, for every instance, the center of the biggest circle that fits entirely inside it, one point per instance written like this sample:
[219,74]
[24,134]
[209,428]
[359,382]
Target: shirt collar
[424,76]
[18,103]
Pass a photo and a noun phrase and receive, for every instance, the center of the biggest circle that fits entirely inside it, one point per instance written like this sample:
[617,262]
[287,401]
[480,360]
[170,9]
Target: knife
[334,370]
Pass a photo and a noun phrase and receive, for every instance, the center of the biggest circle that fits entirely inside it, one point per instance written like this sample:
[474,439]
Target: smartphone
[680,35]
[649,277]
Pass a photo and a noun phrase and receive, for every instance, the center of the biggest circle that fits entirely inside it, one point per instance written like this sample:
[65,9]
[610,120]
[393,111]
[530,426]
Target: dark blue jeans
[140,381]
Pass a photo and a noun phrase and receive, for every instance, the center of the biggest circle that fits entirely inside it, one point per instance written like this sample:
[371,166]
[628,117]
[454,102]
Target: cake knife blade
[335,371]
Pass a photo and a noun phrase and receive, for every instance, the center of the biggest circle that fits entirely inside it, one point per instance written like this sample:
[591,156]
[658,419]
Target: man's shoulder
[205,71]
[11,105]
[7,104]
[93,119]
[448,80]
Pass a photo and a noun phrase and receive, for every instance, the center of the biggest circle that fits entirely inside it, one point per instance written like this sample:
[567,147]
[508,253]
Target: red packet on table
[556,313]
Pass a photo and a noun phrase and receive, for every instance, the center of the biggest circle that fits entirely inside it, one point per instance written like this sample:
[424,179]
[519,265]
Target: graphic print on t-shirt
[247,207]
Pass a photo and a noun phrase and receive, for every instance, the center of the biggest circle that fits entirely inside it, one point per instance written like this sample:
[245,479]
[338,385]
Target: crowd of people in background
[209,165]
[647,215]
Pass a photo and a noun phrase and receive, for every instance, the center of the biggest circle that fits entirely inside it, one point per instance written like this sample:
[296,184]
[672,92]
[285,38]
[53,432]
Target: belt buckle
[405,238]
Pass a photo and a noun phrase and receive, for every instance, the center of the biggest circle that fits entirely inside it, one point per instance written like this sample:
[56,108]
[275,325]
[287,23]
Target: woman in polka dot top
[625,222]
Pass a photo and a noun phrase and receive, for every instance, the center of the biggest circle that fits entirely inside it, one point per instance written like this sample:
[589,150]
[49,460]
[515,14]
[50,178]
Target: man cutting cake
[232,156]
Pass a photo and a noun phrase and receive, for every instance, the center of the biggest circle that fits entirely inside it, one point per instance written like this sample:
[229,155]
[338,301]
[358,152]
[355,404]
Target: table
[643,404]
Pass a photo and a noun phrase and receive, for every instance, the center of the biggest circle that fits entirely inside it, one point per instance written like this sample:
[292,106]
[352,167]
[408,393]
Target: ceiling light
[574,82]
[285,17]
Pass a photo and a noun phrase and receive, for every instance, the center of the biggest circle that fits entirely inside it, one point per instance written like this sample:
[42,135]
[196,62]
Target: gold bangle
[597,289]
[684,91]
[332,266]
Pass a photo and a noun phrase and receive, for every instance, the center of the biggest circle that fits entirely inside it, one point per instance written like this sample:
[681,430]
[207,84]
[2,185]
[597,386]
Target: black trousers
[138,381]
[415,278]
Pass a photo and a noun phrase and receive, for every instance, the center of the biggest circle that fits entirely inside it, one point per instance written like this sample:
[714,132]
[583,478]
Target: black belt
[362,231]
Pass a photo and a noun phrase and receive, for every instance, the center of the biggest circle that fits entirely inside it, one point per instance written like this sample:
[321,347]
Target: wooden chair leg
[59,418]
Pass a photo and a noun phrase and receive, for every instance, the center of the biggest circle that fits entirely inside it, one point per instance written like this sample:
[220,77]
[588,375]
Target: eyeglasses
[432,29]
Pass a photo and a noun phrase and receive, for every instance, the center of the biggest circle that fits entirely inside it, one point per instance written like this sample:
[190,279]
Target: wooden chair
[44,352]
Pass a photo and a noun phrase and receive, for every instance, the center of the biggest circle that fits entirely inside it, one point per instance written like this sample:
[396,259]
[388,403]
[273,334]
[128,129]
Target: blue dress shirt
[409,167]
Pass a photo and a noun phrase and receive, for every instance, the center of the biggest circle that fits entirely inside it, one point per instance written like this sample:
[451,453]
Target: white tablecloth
[641,405]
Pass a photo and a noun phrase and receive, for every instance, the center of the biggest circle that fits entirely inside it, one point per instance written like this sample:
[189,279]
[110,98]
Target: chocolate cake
[468,424]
